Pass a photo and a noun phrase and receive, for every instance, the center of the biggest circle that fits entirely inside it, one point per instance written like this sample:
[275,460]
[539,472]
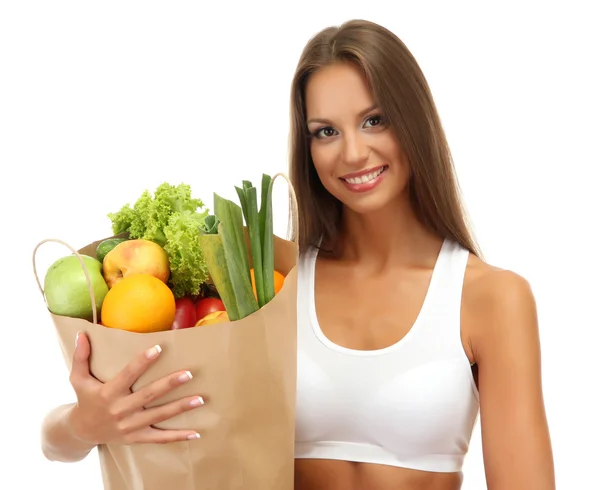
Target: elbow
[49,453]
[56,456]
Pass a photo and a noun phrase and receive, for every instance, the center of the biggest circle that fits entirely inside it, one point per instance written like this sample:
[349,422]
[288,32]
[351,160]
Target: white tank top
[412,404]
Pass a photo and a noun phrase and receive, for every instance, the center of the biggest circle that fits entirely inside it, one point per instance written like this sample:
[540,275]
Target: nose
[355,151]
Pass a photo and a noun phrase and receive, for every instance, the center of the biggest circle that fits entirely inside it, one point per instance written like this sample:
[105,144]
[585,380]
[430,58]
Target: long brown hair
[402,92]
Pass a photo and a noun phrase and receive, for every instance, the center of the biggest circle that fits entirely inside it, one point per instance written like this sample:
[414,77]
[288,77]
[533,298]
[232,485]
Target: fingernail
[194,436]
[185,377]
[76,338]
[153,352]
[196,402]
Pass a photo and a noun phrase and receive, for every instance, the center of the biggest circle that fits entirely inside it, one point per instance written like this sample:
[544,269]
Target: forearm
[59,441]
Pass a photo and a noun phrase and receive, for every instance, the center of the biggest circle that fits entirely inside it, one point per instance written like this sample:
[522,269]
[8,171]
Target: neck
[392,236]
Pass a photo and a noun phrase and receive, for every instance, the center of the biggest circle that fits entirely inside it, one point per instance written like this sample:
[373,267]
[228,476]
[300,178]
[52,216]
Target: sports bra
[413,404]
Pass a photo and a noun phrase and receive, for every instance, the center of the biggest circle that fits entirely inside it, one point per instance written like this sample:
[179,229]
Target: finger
[151,392]
[123,381]
[151,435]
[80,367]
[155,415]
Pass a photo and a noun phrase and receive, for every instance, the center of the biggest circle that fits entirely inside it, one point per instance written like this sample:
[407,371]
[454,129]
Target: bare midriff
[313,474]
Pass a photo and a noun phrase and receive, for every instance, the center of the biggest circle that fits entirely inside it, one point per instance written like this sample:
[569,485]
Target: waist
[324,474]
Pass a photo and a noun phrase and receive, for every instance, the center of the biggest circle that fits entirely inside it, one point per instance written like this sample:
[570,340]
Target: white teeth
[365,178]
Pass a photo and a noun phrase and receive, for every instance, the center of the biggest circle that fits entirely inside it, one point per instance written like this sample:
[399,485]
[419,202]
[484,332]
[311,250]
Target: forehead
[337,91]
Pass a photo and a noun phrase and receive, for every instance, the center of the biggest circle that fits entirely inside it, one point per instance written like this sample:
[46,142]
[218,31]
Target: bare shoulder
[493,284]
[495,301]
[500,326]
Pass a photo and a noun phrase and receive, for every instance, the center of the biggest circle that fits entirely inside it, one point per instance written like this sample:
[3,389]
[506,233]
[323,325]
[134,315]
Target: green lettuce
[172,218]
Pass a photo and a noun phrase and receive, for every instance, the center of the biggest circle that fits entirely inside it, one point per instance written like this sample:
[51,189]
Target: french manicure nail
[197,401]
[76,339]
[184,377]
[194,436]
[153,352]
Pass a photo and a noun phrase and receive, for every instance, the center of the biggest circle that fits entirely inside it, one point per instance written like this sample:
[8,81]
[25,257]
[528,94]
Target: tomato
[205,306]
[185,313]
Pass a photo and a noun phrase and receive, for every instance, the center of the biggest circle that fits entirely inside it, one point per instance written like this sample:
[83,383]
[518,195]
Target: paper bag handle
[85,271]
[294,207]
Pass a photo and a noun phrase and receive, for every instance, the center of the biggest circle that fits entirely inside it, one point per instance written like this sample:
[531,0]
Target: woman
[404,332]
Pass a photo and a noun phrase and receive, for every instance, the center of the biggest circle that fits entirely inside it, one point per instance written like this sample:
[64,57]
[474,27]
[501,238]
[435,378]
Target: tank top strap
[443,313]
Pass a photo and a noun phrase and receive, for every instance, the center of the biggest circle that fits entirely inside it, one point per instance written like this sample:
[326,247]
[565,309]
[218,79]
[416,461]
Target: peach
[212,318]
[135,257]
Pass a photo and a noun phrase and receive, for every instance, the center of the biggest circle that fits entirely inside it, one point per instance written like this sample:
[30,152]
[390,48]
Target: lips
[365,176]
[361,182]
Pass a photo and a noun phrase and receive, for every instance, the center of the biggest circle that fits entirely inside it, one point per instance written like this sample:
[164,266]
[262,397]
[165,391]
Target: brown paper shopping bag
[246,372]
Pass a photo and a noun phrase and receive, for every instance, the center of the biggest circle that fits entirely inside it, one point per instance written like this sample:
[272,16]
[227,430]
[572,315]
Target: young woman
[404,331]
[405,334]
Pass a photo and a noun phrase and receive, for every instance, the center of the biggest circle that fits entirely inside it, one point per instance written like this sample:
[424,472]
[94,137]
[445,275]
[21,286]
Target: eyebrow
[360,114]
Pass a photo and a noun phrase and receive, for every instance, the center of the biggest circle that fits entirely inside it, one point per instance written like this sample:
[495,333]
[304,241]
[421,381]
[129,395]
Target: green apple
[66,287]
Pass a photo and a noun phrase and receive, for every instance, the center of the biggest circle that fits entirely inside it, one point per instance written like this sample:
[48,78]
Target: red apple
[135,257]
[205,306]
[185,313]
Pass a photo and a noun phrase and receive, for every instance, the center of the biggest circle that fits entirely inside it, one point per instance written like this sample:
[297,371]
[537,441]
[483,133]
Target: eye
[373,121]
[326,132]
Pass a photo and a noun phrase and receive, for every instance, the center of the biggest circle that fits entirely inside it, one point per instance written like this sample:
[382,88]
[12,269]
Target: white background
[101,100]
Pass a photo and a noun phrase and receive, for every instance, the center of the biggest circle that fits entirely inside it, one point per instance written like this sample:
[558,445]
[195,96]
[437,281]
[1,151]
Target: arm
[109,413]
[59,441]
[515,436]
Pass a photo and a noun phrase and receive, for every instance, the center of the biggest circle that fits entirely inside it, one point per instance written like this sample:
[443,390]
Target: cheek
[324,160]
[396,156]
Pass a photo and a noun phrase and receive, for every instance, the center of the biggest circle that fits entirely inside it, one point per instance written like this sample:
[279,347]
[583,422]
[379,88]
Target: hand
[110,413]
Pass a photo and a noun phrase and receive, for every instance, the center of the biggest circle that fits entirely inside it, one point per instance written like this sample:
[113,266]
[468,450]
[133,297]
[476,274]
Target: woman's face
[356,156]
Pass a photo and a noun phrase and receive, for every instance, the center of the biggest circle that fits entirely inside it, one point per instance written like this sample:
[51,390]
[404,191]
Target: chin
[368,206]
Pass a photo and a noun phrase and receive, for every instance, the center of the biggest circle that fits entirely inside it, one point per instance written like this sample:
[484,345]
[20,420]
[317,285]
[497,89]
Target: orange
[139,303]
[278,278]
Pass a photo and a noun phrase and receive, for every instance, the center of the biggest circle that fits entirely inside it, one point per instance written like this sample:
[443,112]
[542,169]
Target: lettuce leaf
[172,218]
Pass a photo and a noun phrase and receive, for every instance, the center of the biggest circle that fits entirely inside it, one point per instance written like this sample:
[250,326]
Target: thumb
[80,368]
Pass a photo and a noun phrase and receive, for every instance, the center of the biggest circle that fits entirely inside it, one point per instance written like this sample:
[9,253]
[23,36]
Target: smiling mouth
[366,178]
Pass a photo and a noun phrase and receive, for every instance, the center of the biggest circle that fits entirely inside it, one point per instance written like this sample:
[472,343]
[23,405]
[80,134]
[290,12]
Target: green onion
[211,244]
[223,243]
[231,229]
[266,230]
[248,200]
